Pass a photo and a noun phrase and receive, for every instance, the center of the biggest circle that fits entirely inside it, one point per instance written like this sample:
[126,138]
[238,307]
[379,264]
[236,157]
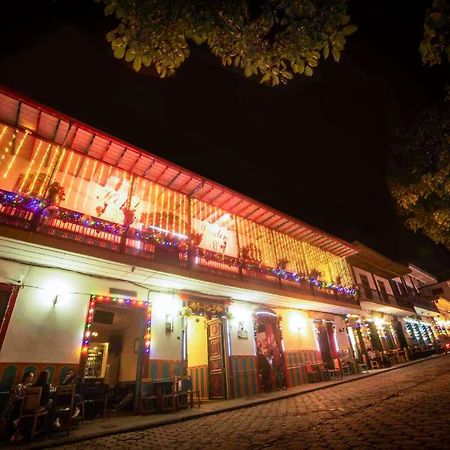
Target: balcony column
[238,242]
[188,214]
[128,218]
[277,256]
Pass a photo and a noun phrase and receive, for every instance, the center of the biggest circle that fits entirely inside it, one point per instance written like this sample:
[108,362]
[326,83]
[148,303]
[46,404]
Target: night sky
[316,149]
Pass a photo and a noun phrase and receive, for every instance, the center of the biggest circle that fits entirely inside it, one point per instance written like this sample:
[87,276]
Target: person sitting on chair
[12,410]
[72,378]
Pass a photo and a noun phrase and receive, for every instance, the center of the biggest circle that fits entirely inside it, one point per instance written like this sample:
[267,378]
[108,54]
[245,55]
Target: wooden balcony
[162,249]
[383,298]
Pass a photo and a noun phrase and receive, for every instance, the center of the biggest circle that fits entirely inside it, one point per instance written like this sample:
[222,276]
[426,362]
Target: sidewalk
[122,424]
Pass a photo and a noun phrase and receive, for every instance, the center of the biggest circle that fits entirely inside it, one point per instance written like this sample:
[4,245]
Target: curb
[256,402]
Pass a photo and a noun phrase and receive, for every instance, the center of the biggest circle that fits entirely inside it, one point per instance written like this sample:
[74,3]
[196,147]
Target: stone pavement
[406,408]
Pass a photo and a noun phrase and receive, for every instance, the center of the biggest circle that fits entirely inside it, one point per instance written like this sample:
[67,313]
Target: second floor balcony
[164,250]
[384,298]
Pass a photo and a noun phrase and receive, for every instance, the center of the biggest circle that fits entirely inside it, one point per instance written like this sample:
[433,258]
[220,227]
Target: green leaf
[137,63]
[287,75]
[308,71]
[119,52]
[326,52]
[248,71]
[111,36]
[129,55]
[265,78]
[336,54]
[198,39]
[110,8]
[349,29]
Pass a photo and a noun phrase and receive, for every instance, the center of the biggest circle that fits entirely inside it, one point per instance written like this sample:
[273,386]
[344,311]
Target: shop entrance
[327,341]
[112,353]
[269,350]
[116,345]
[205,351]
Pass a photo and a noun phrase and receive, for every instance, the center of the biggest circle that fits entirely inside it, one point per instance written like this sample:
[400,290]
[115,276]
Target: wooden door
[216,366]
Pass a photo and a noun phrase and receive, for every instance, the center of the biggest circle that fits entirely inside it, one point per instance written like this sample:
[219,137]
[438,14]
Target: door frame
[13,290]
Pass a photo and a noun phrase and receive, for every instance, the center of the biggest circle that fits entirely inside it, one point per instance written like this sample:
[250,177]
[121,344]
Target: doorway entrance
[116,346]
[206,349]
[326,338]
[269,350]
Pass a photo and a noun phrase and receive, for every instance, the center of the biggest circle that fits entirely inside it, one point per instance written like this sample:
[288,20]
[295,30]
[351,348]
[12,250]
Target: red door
[216,365]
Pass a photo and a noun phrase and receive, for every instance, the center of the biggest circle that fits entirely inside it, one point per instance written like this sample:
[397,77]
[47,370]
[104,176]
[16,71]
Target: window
[366,286]
[384,294]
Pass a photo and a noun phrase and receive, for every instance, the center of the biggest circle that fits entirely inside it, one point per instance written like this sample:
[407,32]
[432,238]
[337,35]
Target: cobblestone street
[405,408]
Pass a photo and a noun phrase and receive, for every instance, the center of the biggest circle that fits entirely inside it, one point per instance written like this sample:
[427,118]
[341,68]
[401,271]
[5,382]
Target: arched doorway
[269,350]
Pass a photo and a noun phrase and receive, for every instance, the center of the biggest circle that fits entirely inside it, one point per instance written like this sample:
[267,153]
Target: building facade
[126,267]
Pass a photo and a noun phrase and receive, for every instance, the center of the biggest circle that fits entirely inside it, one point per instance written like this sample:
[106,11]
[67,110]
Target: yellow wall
[298,331]
[197,344]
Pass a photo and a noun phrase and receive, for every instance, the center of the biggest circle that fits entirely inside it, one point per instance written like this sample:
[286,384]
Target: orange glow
[90,184]
[27,174]
[80,186]
[43,185]
[77,164]
[69,162]
[40,167]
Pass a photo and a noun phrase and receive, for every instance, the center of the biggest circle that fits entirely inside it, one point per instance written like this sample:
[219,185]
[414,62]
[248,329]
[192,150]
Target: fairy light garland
[95,299]
[167,239]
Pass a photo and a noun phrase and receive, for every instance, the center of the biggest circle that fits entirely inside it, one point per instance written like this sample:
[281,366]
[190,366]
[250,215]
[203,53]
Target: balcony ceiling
[23,113]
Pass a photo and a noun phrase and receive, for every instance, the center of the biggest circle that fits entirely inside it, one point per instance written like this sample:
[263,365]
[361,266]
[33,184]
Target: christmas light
[16,153]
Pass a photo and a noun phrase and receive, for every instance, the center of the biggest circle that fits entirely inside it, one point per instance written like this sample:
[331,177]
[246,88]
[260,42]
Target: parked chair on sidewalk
[63,405]
[335,373]
[374,364]
[312,373]
[148,398]
[31,412]
[186,393]
[169,396]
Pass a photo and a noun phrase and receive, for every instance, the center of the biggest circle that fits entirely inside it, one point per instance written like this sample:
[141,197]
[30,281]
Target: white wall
[41,331]
[242,312]
[165,345]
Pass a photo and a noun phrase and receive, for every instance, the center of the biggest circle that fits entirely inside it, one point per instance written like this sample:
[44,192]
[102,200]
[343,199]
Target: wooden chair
[63,405]
[186,393]
[31,410]
[148,400]
[94,400]
[335,373]
[374,364]
[313,375]
[169,396]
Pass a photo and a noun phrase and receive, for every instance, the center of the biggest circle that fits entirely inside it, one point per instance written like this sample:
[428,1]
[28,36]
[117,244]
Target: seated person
[42,382]
[72,378]
[12,410]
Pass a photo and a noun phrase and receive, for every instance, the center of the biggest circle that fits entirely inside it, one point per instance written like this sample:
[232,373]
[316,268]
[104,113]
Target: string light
[95,299]
[40,168]
[27,174]
[16,153]
[55,154]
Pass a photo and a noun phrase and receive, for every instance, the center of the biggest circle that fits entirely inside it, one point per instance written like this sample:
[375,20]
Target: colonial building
[125,266]
[395,315]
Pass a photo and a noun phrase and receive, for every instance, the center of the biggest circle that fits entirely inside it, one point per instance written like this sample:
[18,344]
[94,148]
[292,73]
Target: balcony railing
[384,298]
[424,302]
[29,214]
